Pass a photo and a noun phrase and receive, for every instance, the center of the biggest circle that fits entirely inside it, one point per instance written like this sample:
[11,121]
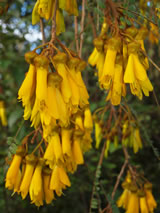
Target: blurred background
[18,36]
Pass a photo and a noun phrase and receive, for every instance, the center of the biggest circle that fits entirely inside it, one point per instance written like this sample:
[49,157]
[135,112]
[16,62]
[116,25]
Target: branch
[82,27]
[76,33]
[53,35]
[42,31]
[92,25]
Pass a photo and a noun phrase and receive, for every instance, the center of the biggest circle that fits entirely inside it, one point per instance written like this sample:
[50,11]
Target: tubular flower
[48,193]
[3,114]
[36,187]
[59,180]
[28,173]
[13,171]
[135,74]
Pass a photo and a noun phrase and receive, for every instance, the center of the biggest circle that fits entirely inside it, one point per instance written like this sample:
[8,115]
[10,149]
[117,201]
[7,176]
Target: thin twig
[99,164]
[82,27]
[76,33]
[137,14]
[53,36]
[42,31]
[92,25]
[119,178]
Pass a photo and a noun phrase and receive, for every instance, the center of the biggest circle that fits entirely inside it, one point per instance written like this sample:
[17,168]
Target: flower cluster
[46,9]
[136,199]
[124,129]
[55,99]
[120,60]
[34,178]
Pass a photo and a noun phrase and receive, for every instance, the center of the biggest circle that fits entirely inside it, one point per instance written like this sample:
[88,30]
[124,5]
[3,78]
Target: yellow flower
[79,122]
[150,200]
[66,142]
[59,180]
[107,147]
[143,205]
[17,183]
[136,140]
[60,25]
[133,203]
[12,173]
[60,59]
[116,88]
[77,152]
[54,150]
[93,58]
[98,134]
[41,80]
[124,199]
[48,193]
[27,88]
[136,75]
[36,187]
[109,64]
[3,114]
[28,173]
[71,7]
[88,123]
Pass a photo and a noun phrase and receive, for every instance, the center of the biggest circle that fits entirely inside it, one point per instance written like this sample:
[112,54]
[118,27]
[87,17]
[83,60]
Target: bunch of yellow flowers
[124,129]
[120,59]
[46,9]
[136,199]
[55,99]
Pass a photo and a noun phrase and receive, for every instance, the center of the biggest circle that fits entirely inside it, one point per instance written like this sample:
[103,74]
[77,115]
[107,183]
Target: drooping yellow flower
[107,147]
[88,122]
[27,88]
[109,64]
[29,169]
[115,92]
[66,141]
[143,205]
[135,140]
[124,199]
[48,193]
[135,73]
[12,173]
[41,63]
[71,7]
[77,152]
[3,114]
[151,203]
[60,25]
[59,180]
[36,187]
[98,134]
[93,58]
[60,59]
[133,203]
[53,152]
[17,183]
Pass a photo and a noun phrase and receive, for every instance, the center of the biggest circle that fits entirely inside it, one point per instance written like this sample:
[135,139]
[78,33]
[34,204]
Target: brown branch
[92,25]
[76,33]
[53,35]
[119,178]
[42,31]
[82,27]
